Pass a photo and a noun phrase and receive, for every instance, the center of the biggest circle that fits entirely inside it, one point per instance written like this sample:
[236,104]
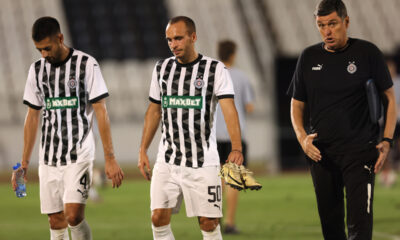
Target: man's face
[180,42]
[51,48]
[333,30]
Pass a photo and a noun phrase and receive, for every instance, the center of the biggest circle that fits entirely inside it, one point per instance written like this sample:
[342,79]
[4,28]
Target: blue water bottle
[19,177]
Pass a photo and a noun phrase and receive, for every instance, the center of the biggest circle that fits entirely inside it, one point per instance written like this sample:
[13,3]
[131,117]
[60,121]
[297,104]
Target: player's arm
[391,118]
[30,130]
[232,124]
[112,169]
[249,108]
[151,122]
[306,141]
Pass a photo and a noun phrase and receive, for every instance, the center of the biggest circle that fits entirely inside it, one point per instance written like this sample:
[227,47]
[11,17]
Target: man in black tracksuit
[342,143]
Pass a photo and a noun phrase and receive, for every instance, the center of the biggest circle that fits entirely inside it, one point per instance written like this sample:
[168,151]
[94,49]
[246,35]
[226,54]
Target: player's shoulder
[90,58]
[164,60]
[212,60]
[37,63]
[313,49]
[214,63]
[363,45]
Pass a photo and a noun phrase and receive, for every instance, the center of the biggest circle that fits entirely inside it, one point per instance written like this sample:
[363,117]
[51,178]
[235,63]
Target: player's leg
[166,199]
[201,189]
[358,175]
[77,181]
[231,196]
[51,190]
[210,228]
[161,219]
[328,185]
[58,226]
[75,216]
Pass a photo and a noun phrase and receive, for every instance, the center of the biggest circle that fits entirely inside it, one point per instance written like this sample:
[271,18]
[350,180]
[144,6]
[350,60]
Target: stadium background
[127,37]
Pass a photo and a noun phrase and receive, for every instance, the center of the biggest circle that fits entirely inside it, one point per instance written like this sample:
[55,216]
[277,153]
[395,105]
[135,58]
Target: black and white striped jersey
[65,92]
[188,94]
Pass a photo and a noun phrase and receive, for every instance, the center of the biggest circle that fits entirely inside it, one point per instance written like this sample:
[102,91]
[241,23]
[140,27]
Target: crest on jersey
[72,83]
[199,83]
[352,68]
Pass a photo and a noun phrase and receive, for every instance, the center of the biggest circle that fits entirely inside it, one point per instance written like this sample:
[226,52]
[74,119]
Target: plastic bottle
[19,177]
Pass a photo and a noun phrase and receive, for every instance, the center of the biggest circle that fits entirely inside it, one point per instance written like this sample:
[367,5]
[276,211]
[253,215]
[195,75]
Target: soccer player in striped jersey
[184,93]
[67,86]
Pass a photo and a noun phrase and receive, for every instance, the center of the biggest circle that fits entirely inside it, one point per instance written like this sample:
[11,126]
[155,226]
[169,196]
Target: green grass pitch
[285,209]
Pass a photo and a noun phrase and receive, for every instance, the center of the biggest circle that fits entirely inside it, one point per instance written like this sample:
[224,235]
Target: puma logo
[368,168]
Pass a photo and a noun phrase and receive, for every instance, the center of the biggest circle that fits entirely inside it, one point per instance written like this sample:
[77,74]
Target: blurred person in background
[184,92]
[244,97]
[388,175]
[342,145]
[68,86]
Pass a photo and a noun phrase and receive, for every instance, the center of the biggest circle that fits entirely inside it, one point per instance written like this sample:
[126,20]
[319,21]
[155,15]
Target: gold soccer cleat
[248,180]
[230,172]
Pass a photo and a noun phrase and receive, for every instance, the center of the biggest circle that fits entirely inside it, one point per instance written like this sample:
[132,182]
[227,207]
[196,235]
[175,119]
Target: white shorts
[199,187]
[64,184]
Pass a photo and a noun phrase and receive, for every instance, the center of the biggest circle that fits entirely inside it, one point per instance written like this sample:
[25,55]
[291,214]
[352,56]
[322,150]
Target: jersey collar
[348,44]
[71,51]
[191,63]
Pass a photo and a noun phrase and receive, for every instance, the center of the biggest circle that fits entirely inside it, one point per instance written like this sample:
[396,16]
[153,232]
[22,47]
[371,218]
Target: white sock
[81,231]
[59,234]
[163,232]
[214,235]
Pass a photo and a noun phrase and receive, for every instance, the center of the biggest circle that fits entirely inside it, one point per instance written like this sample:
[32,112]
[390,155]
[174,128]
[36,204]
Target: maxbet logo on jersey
[61,102]
[195,102]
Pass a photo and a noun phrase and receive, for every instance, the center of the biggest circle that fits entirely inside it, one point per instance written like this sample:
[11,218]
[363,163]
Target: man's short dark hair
[191,27]
[45,27]
[226,49]
[326,7]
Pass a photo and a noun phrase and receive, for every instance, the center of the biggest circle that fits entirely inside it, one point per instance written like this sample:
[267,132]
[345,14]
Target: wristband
[389,140]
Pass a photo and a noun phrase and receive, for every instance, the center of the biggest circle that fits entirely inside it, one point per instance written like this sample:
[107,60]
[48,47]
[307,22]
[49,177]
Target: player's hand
[144,165]
[114,172]
[14,184]
[383,148]
[235,157]
[310,149]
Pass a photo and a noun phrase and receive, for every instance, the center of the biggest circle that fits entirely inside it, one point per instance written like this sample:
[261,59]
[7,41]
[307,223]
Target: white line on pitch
[386,235]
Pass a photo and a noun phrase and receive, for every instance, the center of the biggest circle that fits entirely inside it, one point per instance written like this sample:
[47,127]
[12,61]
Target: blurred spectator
[244,98]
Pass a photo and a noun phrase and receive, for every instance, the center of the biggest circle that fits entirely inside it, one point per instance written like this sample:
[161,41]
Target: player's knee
[57,220]
[74,218]
[159,218]
[208,224]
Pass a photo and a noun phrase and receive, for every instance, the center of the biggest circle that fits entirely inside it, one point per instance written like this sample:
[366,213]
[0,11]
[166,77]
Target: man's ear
[194,36]
[60,38]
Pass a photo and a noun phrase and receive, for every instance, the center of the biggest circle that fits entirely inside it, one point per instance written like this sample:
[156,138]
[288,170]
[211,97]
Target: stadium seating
[373,20]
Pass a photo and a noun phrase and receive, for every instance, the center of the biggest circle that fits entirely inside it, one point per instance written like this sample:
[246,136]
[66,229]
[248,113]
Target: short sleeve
[32,96]
[223,86]
[97,88]
[380,72]
[297,87]
[154,92]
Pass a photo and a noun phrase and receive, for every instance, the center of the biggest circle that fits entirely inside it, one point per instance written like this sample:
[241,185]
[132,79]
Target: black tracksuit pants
[354,173]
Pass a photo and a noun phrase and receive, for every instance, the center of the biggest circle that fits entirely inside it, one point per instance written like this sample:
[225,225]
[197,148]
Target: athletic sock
[214,235]
[59,234]
[81,231]
[163,232]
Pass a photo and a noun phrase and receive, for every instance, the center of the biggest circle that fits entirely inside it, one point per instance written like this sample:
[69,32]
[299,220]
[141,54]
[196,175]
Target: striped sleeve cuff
[226,96]
[96,99]
[154,101]
[31,105]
